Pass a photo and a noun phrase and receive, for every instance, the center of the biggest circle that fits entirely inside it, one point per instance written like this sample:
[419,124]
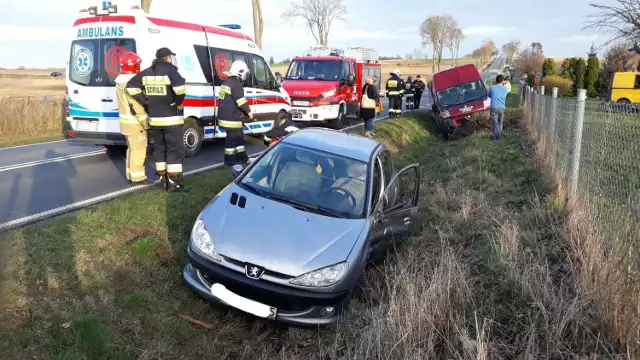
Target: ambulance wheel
[338,122]
[192,138]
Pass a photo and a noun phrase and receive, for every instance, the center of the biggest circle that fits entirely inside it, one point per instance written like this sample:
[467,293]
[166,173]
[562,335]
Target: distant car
[56,74]
[289,238]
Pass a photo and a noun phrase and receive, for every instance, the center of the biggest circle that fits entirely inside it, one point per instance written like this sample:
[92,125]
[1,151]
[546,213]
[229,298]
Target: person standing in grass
[370,100]
[498,95]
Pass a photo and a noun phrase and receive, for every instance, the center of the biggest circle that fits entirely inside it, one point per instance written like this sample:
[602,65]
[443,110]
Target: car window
[400,193]
[345,70]
[461,94]
[261,73]
[326,181]
[314,70]
[637,84]
[387,166]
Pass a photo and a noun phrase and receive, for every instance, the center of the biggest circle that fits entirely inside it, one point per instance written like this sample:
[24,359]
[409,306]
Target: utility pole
[258,24]
[145,5]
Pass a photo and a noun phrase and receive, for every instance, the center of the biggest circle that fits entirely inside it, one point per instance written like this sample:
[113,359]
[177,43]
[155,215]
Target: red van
[459,96]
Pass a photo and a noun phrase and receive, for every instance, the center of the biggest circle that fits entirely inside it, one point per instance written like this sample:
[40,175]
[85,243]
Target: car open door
[396,215]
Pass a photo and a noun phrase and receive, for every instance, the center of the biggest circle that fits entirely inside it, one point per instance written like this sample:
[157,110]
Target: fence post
[543,113]
[552,117]
[577,142]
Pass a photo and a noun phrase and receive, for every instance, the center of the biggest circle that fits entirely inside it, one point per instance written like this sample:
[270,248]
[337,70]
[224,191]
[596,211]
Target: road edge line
[32,144]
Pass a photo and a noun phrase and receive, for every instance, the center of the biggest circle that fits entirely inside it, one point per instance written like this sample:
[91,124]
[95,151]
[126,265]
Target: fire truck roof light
[93,10]
[231,26]
[112,9]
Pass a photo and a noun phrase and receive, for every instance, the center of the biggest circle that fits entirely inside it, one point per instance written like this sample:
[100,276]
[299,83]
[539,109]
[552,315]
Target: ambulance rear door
[94,64]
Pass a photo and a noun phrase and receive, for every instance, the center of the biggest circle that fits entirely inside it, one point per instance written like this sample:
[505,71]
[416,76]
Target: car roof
[335,142]
[455,76]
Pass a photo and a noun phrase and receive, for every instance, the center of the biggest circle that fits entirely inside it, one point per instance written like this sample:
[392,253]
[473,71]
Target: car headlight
[329,93]
[445,113]
[487,102]
[202,241]
[322,277]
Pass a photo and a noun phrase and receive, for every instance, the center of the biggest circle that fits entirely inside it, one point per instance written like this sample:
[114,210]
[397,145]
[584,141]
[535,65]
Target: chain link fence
[594,147]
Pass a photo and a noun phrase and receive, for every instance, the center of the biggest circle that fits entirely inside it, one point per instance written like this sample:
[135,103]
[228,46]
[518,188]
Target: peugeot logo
[297,92]
[253,271]
[466,108]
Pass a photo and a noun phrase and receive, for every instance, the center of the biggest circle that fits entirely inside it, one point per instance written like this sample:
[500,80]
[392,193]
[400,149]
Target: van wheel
[192,138]
[624,101]
[338,122]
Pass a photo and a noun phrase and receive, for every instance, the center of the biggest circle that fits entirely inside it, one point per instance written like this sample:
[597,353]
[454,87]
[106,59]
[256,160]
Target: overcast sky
[35,33]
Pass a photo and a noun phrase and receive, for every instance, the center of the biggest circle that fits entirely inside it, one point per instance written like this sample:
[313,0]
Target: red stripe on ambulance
[105,18]
[196,27]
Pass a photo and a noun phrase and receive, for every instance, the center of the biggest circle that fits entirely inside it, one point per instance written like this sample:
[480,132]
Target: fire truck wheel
[338,122]
[193,137]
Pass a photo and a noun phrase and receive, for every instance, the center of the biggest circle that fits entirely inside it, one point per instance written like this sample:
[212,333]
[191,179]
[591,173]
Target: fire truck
[325,84]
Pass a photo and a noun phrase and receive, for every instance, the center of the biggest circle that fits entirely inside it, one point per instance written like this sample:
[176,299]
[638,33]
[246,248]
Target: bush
[563,84]
[593,72]
[581,70]
[548,67]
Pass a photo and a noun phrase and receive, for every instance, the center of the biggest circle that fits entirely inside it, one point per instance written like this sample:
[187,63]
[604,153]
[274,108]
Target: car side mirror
[278,79]
[350,80]
[236,170]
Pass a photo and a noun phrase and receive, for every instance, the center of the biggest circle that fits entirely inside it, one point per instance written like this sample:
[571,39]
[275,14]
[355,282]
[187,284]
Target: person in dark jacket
[278,132]
[418,86]
[370,100]
[233,111]
[395,90]
[161,89]
[409,91]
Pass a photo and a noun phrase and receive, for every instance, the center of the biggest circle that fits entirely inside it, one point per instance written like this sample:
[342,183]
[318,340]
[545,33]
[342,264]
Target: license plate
[296,115]
[300,103]
[84,125]
[242,303]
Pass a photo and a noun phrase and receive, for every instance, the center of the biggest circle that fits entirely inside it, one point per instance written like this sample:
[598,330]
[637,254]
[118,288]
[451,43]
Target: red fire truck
[325,84]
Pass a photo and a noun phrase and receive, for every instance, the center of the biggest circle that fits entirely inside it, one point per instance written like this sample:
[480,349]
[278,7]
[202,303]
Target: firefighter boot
[174,184]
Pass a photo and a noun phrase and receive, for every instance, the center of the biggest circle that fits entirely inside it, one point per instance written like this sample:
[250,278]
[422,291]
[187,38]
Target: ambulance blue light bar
[231,26]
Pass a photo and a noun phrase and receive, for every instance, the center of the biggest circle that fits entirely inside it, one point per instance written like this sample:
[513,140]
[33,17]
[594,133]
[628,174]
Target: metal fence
[594,147]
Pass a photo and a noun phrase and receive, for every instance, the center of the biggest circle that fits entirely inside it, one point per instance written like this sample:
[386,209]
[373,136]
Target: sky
[35,33]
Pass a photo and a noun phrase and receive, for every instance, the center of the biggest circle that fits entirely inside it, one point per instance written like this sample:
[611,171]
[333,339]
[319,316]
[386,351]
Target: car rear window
[324,180]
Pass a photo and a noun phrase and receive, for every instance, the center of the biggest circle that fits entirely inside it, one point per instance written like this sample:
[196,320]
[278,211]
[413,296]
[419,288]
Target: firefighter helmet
[396,72]
[240,69]
[130,63]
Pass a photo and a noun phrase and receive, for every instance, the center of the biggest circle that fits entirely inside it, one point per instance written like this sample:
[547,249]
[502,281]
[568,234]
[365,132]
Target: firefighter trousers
[168,149]
[137,141]
[234,150]
[395,105]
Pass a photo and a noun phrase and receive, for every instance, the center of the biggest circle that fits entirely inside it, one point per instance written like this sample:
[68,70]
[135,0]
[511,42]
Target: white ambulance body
[203,54]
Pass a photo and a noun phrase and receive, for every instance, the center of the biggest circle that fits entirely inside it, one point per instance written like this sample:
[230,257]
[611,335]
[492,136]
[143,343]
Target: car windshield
[461,94]
[310,180]
[314,70]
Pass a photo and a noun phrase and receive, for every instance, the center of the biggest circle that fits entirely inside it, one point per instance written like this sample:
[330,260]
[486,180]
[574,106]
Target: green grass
[105,282]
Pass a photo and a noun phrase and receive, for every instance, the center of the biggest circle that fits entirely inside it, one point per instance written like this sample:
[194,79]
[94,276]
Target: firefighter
[409,92]
[419,87]
[395,89]
[162,89]
[133,121]
[232,112]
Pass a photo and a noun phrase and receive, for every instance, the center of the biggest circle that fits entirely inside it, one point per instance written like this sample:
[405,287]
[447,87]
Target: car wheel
[338,122]
[624,102]
[192,138]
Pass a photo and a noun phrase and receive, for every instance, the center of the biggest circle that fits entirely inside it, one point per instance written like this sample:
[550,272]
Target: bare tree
[452,42]
[258,24]
[537,47]
[145,5]
[434,31]
[319,16]
[621,18]
[456,43]
[485,51]
[510,49]
[529,61]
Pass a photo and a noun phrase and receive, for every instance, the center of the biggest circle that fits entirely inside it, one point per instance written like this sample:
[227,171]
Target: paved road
[495,68]
[46,176]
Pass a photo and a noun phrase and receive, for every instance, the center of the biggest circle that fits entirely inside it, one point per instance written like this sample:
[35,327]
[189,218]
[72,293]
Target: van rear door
[94,64]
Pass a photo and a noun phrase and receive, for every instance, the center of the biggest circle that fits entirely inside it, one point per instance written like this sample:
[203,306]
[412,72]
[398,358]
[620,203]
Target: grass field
[491,275]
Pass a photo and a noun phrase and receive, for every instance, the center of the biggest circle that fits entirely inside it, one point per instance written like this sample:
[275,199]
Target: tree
[434,31]
[485,51]
[548,67]
[537,47]
[510,49]
[581,69]
[618,58]
[145,5]
[271,61]
[593,72]
[621,18]
[319,16]
[258,24]
[408,56]
[452,41]
[529,61]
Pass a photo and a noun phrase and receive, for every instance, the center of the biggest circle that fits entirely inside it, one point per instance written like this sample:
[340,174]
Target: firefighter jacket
[233,105]
[409,89]
[395,86]
[162,89]
[131,111]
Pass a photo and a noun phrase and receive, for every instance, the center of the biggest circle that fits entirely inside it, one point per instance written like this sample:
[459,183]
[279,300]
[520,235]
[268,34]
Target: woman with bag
[370,101]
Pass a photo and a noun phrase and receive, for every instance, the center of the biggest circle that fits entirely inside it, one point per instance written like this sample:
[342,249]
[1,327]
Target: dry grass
[37,83]
[492,274]
[29,119]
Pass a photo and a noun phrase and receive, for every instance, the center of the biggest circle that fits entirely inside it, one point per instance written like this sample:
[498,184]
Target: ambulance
[102,34]
[326,84]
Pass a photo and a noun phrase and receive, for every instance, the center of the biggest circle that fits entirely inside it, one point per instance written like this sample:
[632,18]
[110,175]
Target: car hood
[277,236]
[308,88]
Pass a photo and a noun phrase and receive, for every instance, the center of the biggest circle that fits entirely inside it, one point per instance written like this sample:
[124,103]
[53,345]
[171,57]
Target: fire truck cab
[325,84]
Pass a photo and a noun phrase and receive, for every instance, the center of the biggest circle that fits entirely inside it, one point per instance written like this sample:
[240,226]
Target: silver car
[290,237]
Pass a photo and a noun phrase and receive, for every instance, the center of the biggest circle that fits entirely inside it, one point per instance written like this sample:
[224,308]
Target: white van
[203,54]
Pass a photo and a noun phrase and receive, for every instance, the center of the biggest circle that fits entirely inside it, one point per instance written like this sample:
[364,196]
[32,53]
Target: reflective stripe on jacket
[130,110]
[395,86]
[233,105]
